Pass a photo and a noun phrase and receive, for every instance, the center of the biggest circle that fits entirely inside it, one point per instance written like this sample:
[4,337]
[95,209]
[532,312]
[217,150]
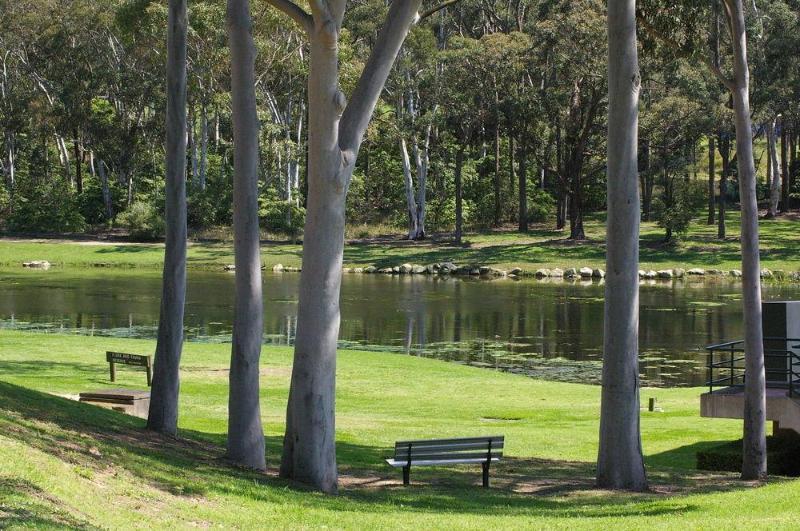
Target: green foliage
[143,220]
[51,206]
[541,205]
[675,212]
[280,216]
[783,455]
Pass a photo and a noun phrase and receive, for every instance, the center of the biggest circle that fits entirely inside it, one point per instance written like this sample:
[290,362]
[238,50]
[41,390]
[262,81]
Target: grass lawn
[65,464]
[540,247]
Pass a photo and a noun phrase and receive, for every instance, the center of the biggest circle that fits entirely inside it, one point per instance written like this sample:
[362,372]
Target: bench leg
[406,475]
[485,474]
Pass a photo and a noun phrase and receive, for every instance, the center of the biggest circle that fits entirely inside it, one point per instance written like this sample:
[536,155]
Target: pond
[549,329]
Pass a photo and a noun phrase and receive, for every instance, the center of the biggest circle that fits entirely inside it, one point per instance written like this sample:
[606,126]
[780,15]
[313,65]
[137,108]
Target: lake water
[546,329]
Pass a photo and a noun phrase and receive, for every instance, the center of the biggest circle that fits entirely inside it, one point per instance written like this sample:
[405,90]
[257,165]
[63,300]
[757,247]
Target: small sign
[136,360]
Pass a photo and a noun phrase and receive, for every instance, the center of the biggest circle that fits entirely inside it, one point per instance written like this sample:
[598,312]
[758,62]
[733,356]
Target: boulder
[448,268]
[417,269]
[37,264]
[650,274]
[585,272]
[666,274]
[358,270]
[557,273]
[370,270]
[346,270]
[432,269]
[484,270]
[570,272]
[277,268]
[795,275]
[641,273]
[515,271]
[229,267]
[540,273]
[598,273]
[385,270]
[679,273]
[715,272]
[405,269]
[396,270]
[735,273]
[766,273]
[696,271]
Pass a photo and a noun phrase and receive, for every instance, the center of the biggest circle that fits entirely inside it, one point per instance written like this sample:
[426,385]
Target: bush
[541,205]
[783,455]
[48,207]
[676,215]
[143,220]
[283,217]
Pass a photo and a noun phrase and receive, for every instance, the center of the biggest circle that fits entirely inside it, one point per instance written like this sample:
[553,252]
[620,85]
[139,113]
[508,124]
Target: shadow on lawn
[193,465]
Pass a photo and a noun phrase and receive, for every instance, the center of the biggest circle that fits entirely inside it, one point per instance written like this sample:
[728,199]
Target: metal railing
[726,365]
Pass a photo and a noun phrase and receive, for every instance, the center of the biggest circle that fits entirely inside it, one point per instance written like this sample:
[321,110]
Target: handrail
[731,372]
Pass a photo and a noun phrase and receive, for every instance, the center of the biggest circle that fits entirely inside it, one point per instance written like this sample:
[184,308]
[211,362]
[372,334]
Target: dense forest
[494,114]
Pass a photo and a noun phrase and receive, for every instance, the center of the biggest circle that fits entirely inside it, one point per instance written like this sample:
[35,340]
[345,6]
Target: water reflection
[549,329]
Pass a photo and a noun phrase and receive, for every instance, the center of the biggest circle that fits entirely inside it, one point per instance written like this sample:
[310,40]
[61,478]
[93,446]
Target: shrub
[278,215]
[783,455]
[541,205]
[48,207]
[143,220]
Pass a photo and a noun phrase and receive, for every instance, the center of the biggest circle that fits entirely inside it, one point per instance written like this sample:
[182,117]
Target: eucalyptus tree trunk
[620,464]
[725,153]
[784,166]
[523,182]
[107,203]
[459,194]
[336,130]
[193,145]
[408,180]
[773,170]
[712,173]
[163,414]
[245,434]
[754,463]
[203,172]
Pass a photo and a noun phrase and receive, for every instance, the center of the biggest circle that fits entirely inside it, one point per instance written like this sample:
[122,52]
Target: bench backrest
[444,449]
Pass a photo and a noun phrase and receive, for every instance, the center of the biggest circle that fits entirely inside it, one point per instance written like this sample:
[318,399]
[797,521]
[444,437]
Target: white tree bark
[754,465]
[101,169]
[163,414]
[408,180]
[773,169]
[245,433]
[63,158]
[620,464]
[336,130]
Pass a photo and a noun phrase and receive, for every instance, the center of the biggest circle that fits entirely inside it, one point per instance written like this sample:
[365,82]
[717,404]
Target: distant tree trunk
[646,178]
[754,462]
[63,157]
[497,182]
[725,153]
[193,145]
[163,414]
[459,193]
[773,170]
[793,170]
[620,464]
[76,150]
[10,166]
[408,180]
[712,173]
[107,203]
[245,434]
[203,146]
[512,181]
[523,182]
[784,166]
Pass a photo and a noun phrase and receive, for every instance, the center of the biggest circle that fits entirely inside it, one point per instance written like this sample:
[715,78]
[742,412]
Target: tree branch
[295,12]
[434,10]
[357,113]
[679,49]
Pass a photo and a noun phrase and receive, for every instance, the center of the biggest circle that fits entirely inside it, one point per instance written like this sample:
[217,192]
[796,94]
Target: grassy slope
[780,244]
[68,464]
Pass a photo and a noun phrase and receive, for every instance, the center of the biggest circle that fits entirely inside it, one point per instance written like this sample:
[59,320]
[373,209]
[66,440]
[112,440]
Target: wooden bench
[433,452]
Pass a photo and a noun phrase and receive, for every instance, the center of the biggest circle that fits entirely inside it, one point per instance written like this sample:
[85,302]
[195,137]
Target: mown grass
[540,247]
[66,464]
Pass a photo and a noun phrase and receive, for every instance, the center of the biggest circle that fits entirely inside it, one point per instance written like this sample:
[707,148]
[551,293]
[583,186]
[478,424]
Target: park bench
[434,452]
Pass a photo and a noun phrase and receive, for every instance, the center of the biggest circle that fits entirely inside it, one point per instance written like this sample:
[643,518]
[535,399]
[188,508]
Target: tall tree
[754,462]
[620,464]
[163,414]
[245,433]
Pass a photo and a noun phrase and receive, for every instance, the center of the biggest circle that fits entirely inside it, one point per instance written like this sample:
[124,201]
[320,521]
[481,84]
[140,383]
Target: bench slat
[443,462]
[494,438]
[445,456]
[447,447]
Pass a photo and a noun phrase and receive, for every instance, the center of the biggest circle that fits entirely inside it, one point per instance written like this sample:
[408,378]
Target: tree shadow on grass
[23,504]
[193,465]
